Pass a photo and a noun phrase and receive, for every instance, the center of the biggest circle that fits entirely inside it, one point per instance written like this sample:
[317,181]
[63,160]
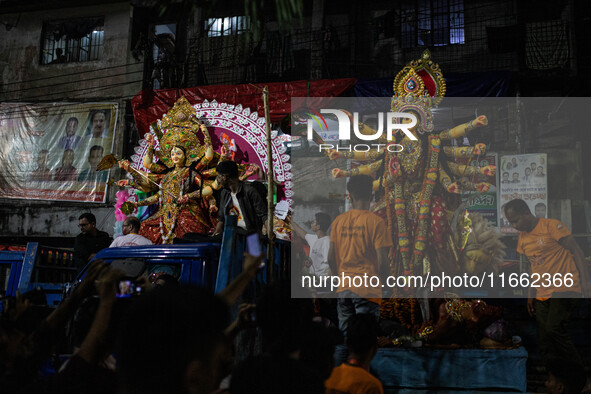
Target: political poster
[524,177]
[51,151]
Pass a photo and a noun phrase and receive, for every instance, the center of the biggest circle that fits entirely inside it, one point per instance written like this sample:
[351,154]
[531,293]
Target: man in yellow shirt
[553,253]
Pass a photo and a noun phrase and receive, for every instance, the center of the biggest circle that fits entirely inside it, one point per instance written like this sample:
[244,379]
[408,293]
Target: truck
[207,264]
[36,266]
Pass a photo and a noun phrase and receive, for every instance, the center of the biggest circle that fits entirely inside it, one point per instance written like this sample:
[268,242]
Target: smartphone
[253,246]
[128,288]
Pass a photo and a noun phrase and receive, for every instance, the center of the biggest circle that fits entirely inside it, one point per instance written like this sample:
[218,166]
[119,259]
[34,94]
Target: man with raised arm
[319,243]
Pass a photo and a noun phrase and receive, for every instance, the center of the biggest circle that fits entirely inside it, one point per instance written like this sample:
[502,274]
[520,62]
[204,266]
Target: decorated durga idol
[417,192]
[413,187]
[181,172]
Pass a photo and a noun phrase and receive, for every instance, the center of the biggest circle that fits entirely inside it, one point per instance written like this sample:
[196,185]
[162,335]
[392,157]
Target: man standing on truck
[240,199]
[89,241]
[130,237]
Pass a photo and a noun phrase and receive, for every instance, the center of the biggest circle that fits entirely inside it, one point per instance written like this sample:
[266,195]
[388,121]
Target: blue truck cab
[195,264]
[44,267]
[200,264]
[207,264]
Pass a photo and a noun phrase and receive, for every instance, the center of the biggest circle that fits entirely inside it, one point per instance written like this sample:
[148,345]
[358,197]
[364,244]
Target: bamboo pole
[270,185]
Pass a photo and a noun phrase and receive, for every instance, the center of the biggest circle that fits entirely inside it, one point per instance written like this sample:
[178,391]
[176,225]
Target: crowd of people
[175,338]
[357,246]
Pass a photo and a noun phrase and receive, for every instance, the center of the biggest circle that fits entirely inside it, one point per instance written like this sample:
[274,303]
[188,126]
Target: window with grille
[79,40]
[432,23]
[218,27]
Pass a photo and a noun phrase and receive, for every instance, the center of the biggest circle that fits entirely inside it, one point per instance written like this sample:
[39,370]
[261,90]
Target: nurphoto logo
[391,119]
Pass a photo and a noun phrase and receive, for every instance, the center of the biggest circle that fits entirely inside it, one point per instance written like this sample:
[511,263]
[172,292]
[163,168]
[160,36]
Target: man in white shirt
[130,237]
[319,243]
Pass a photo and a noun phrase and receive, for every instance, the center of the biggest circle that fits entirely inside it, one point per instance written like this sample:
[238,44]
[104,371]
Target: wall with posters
[33,201]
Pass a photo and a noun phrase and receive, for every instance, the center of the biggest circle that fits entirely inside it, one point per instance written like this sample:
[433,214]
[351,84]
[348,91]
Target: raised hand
[333,154]
[482,187]
[453,188]
[488,170]
[338,173]
[244,315]
[480,121]
[479,149]
[124,164]
[107,284]
[87,286]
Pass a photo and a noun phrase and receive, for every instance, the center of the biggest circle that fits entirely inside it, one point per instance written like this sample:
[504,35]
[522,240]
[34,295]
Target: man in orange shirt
[353,377]
[359,244]
[553,253]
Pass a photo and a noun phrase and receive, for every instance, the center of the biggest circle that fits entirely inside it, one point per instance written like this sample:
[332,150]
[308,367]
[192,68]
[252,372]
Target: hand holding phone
[247,315]
[128,288]
[253,246]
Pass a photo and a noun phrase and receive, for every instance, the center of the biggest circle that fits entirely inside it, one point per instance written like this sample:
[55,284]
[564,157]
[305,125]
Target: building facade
[108,51]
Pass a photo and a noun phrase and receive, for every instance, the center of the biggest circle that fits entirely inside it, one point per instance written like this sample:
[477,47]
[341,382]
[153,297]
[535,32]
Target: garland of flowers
[425,204]
[404,309]
[170,235]
[389,226]
[429,181]
[403,241]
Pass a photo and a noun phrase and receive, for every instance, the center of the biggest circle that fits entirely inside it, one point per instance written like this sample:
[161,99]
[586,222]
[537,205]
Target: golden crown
[179,127]
[418,87]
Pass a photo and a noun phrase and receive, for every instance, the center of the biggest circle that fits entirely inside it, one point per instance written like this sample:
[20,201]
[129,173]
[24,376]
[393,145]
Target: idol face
[177,155]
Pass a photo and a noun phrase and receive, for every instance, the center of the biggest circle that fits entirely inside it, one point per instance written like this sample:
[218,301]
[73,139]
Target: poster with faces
[524,177]
[51,151]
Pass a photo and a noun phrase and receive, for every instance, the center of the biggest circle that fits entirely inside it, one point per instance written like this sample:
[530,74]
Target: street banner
[51,151]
